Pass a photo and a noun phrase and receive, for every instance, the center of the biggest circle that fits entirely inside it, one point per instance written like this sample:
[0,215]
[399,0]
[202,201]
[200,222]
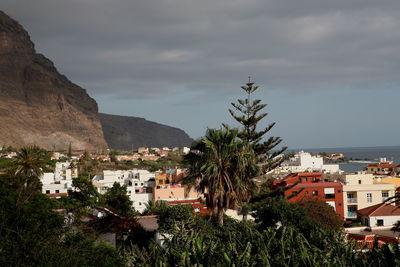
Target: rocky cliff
[38,105]
[125,133]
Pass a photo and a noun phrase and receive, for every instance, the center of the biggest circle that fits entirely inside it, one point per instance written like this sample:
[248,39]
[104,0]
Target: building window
[359,181]
[47,191]
[351,211]
[140,203]
[385,195]
[329,196]
[379,223]
[57,191]
[351,198]
[329,193]
[369,197]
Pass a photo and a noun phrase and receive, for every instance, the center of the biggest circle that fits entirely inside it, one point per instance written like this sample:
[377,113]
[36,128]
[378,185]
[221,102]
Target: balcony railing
[351,214]
[352,200]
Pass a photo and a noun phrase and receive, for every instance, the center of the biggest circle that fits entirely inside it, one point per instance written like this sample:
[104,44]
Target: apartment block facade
[361,192]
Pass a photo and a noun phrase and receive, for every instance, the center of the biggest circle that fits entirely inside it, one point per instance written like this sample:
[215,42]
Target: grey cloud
[147,49]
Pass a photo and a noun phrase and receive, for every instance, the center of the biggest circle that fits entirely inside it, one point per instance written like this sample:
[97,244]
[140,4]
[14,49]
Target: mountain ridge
[39,105]
[127,132]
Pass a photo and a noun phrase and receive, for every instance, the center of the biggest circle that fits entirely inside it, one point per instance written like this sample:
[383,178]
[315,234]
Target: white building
[138,183]
[379,215]
[305,162]
[59,182]
[143,150]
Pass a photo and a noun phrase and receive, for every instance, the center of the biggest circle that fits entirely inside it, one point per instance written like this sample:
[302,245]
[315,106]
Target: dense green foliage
[32,233]
[154,207]
[117,199]
[5,163]
[321,212]
[195,241]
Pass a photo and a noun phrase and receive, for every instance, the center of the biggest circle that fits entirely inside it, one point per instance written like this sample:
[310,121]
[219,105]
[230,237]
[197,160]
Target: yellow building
[390,180]
[162,179]
[360,191]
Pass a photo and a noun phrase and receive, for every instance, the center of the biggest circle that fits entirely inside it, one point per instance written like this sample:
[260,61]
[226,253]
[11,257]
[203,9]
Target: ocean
[364,154]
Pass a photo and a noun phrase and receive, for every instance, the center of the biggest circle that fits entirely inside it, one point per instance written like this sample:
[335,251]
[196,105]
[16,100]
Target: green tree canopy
[116,198]
[218,165]
[249,115]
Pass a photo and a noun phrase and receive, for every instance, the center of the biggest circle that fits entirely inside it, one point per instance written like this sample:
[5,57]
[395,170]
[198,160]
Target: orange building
[162,179]
[312,184]
[168,192]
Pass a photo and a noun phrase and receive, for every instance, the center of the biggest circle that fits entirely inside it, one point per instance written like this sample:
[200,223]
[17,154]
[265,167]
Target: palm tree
[29,164]
[154,207]
[217,167]
[27,170]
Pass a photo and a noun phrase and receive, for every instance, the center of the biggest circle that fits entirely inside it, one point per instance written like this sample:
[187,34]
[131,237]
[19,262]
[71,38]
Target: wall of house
[319,191]
[360,178]
[52,188]
[309,161]
[330,168]
[169,192]
[387,220]
[139,200]
[361,200]
[47,178]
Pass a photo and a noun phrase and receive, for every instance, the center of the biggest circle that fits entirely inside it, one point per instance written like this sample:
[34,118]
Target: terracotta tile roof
[149,223]
[381,209]
[381,165]
[308,174]
[319,184]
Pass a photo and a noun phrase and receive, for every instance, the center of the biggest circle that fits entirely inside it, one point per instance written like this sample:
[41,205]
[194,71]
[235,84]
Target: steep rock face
[38,105]
[125,133]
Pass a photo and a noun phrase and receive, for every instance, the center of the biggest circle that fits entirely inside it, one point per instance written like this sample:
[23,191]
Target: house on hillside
[379,215]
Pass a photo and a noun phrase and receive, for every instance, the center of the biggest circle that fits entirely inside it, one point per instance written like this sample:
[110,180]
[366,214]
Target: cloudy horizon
[328,70]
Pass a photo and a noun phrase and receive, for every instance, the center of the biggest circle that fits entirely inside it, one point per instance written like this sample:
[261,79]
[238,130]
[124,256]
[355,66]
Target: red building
[312,184]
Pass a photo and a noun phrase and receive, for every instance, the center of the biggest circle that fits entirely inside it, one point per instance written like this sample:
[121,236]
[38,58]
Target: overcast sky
[329,70]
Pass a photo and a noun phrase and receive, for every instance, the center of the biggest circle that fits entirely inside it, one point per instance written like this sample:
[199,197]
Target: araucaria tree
[249,115]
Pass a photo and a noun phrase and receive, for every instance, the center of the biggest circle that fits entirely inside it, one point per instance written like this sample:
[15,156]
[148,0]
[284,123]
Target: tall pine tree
[249,115]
